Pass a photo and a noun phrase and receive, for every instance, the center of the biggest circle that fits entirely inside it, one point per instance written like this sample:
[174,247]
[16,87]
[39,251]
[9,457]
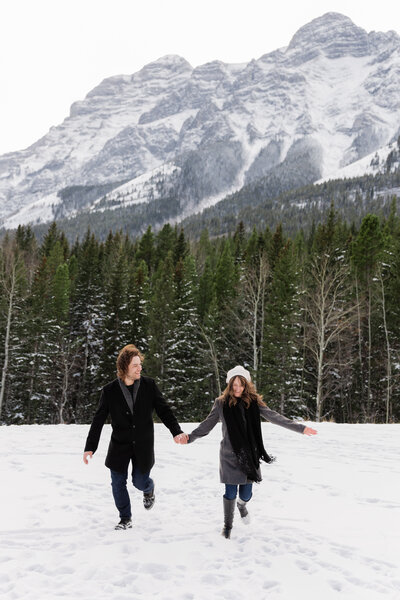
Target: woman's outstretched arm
[277,419]
[207,425]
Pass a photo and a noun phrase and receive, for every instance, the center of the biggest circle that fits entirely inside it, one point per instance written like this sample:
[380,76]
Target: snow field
[324,521]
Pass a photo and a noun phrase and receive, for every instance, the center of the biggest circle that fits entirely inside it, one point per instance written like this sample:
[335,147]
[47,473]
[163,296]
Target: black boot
[229,509]
[244,513]
[125,523]
[149,499]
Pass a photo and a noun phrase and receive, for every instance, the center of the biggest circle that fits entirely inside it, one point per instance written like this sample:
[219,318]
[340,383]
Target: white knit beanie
[238,370]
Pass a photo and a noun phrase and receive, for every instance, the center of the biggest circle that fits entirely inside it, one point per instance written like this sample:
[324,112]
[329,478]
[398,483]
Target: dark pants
[245,491]
[141,481]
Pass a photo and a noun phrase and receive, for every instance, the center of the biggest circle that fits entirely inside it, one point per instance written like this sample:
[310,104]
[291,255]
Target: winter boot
[149,499]
[229,509]
[125,523]
[244,513]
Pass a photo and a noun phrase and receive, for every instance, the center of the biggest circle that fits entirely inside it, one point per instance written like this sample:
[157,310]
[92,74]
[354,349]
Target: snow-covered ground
[325,521]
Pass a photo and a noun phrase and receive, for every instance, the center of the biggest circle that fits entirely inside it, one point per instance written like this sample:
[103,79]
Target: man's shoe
[125,523]
[149,499]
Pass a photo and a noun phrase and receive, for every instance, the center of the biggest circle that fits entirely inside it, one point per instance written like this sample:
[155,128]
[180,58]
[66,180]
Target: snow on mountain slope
[368,165]
[39,211]
[150,186]
[334,89]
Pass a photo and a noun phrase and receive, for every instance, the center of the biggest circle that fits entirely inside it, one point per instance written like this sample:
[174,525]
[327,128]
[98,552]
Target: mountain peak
[168,61]
[333,34]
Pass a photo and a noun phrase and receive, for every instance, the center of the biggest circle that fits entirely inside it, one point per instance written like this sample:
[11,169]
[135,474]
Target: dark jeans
[245,491]
[141,481]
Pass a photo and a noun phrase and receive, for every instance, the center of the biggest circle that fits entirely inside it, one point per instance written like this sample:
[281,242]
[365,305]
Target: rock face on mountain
[326,100]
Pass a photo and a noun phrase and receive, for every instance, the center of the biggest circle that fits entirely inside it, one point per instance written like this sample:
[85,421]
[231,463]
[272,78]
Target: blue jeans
[245,491]
[141,481]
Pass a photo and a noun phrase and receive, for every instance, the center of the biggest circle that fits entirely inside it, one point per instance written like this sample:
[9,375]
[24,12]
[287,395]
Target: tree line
[315,318]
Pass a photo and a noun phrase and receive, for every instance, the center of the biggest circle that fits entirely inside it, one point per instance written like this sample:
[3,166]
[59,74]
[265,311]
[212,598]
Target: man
[130,400]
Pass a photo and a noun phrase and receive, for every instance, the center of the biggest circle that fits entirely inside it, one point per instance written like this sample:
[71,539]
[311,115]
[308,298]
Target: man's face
[134,368]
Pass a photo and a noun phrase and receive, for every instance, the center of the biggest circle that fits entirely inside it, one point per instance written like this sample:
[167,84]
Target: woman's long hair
[249,394]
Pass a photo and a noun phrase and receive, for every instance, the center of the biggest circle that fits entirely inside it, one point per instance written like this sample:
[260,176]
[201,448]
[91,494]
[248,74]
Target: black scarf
[245,437]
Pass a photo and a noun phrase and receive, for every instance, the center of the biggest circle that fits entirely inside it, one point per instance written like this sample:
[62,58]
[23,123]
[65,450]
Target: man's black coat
[132,433]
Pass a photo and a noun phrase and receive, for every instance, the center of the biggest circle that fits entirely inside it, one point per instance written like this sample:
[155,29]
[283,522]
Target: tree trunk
[369,357]
[32,378]
[320,374]
[388,353]
[7,336]
[360,353]
[214,360]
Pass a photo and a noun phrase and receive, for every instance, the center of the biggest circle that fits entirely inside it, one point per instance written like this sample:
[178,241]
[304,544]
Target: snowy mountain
[328,99]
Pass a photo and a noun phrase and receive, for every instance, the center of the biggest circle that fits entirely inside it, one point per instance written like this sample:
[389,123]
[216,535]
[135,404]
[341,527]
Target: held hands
[87,455]
[181,438]
[310,431]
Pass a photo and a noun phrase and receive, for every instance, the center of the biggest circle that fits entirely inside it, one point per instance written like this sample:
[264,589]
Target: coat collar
[127,395]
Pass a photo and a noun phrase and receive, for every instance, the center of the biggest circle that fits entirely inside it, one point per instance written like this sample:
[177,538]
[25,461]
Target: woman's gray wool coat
[229,469]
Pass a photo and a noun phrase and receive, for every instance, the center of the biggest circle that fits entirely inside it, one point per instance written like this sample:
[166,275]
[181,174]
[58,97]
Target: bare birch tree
[388,351]
[250,315]
[328,312]
[11,275]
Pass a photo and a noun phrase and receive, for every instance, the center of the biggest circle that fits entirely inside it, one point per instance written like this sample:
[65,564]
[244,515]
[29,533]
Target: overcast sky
[53,52]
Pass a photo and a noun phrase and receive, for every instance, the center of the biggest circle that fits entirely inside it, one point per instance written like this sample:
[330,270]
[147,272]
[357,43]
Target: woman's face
[237,387]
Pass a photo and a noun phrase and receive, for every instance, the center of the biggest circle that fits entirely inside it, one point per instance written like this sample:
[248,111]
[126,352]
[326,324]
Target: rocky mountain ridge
[329,98]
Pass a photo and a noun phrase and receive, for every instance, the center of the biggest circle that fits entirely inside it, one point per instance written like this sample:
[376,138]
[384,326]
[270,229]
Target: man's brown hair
[124,358]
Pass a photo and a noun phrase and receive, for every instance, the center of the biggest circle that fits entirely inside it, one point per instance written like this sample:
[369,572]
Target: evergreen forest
[315,317]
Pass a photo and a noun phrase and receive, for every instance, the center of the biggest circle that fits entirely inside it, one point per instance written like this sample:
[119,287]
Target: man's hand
[86,456]
[181,438]
[310,431]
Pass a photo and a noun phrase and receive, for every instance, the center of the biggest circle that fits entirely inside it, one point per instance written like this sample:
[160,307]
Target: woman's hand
[310,431]
[181,438]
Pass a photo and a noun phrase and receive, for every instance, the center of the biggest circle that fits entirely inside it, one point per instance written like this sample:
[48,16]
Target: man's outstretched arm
[93,437]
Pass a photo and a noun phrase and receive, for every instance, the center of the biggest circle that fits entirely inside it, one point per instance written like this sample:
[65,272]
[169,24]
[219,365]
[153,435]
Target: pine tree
[366,255]
[146,250]
[139,306]
[206,290]
[45,332]
[87,302]
[392,296]
[63,358]
[239,242]
[280,377]
[161,322]
[277,246]
[226,284]
[116,321]
[165,242]
[185,365]
[225,277]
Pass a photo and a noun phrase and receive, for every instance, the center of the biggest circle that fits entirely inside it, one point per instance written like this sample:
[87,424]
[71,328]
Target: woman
[239,409]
